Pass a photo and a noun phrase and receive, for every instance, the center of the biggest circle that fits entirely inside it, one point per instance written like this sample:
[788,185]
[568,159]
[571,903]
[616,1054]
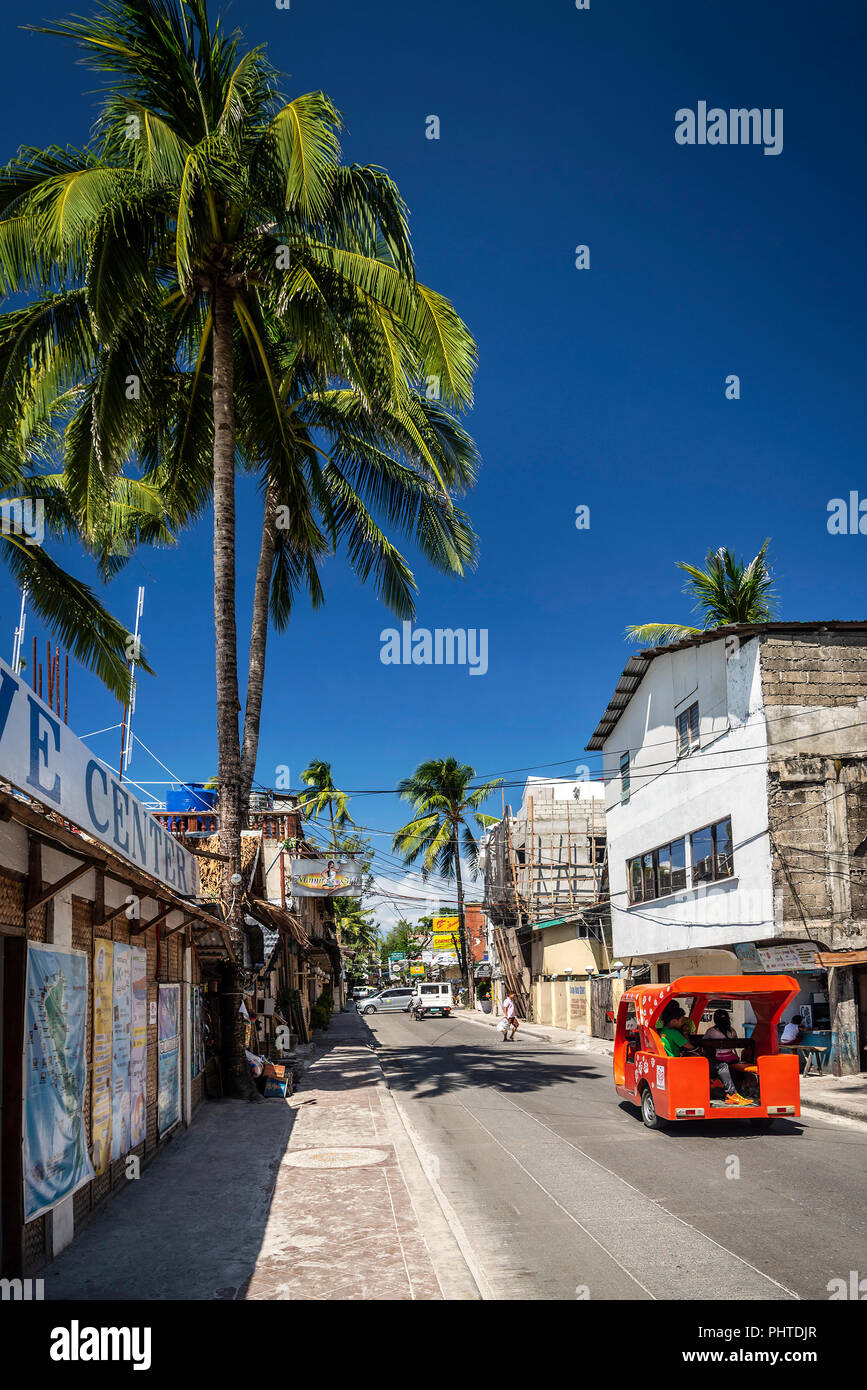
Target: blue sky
[602,387]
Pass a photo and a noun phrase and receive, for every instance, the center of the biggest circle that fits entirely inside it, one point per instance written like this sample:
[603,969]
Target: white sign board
[41,756]
[785,958]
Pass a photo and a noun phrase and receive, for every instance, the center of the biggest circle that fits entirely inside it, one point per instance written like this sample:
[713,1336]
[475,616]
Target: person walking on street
[511,1018]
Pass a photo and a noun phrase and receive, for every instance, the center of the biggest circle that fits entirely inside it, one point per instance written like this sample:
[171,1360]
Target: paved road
[564,1194]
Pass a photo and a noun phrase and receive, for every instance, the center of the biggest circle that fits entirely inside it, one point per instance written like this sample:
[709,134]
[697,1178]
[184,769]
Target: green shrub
[319,1016]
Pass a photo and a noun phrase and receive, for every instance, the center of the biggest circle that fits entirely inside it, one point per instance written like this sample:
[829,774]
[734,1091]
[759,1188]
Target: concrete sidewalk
[845,1096]
[258,1202]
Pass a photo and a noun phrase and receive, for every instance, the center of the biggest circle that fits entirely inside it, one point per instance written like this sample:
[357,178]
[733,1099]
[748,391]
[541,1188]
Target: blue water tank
[190,796]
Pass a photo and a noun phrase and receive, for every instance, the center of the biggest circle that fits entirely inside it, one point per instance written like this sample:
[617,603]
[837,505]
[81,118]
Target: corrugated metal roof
[636,667]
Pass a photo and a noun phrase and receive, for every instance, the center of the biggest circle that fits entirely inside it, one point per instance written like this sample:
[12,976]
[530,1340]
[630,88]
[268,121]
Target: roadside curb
[600,1046]
[833,1107]
[457,1270]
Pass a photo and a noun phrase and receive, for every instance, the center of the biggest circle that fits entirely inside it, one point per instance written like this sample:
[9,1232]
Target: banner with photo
[197,1030]
[103,1032]
[169,1065]
[120,1050]
[138,1048]
[326,878]
[55,1157]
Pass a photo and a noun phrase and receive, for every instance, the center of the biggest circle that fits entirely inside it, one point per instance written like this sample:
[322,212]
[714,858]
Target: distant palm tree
[355,927]
[326,797]
[443,799]
[726,591]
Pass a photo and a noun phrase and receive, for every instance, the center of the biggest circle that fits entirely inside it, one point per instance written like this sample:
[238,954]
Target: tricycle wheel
[648,1109]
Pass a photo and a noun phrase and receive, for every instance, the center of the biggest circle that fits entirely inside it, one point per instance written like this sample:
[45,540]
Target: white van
[435,998]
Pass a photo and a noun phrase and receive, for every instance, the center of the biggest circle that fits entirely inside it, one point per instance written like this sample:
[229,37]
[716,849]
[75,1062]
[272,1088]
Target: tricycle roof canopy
[651,999]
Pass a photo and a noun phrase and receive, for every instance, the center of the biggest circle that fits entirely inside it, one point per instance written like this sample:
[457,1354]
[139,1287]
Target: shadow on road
[438,1067]
[683,1131]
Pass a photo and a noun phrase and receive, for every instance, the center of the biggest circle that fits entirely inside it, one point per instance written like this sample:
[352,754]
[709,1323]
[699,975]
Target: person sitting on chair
[723,1057]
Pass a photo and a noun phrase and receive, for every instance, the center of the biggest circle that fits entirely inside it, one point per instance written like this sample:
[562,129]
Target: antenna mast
[129,709]
[18,643]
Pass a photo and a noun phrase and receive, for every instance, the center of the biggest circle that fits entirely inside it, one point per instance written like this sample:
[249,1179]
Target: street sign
[416,970]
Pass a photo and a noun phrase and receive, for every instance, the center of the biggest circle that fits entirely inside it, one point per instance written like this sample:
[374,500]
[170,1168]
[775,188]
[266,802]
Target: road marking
[553,1199]
[399,1237]
[656,1202]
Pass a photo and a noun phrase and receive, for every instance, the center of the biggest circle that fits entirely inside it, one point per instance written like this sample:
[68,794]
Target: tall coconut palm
[325,797]
[204,253]
[445,802]
[726,591]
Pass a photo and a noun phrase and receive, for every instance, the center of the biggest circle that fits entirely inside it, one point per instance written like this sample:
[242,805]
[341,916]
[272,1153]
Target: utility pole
[129,709]
[18,641]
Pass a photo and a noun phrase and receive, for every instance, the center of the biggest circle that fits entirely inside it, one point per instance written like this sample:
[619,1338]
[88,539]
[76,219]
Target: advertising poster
[56,1161]
[446,935]
[103,1007]
[326,878]
[169,1102]
[197,1030]
[138,1048]
[120,1052]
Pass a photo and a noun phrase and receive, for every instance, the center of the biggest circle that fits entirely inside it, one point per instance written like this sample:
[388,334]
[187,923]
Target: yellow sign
[446,933]
[416,970]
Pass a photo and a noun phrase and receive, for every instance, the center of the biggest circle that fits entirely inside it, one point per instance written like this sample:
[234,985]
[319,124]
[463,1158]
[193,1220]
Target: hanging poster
[120,1051]
[138,1048]
[326,878]
[169,1103]
[103,1005]
[56,1161]
[197,1030]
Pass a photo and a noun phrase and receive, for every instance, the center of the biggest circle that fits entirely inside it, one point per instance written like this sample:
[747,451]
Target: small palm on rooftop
[726,591]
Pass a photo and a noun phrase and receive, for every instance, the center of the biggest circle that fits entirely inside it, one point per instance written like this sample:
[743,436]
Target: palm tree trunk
[236,1074]
[462,922]
[258,643]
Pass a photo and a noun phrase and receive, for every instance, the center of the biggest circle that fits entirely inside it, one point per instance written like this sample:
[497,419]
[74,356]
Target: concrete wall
[815,692]
[670,798]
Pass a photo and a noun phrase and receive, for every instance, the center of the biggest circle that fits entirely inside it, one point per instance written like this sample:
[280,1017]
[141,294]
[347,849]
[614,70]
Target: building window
[687,730]
[635,892]
[596,848]
[658,873]
[712,852]
[624,778]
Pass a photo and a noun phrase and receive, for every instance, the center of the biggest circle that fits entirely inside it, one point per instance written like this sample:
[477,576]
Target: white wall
[670,798]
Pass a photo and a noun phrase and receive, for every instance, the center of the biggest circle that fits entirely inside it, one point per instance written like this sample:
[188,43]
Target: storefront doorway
[861,1001]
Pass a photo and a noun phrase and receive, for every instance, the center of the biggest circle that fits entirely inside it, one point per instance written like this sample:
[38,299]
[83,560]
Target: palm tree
[213,288]
[326,797]
[726,591]
[355,927]
[444,802]
[69,606]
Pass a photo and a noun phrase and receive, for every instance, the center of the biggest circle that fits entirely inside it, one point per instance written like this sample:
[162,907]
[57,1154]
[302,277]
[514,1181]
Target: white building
[735,769]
